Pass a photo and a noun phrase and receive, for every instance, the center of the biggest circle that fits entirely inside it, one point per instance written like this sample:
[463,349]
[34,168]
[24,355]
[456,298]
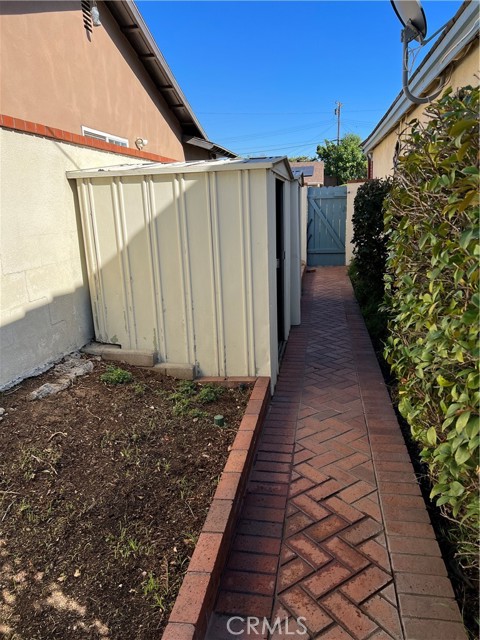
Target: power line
[278,113]
[299,145]
[275,132]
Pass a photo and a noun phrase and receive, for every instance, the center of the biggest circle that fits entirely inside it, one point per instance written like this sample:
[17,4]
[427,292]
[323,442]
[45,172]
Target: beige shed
[198,262]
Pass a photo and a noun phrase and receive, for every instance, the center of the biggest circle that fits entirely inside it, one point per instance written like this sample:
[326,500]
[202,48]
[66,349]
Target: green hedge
[432,286]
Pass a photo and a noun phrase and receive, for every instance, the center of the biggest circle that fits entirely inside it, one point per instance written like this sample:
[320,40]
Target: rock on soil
[71,367]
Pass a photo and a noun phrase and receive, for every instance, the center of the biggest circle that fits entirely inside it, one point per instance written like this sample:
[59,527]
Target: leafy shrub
[370,246]
[367,269]
[115,375]
[432,287]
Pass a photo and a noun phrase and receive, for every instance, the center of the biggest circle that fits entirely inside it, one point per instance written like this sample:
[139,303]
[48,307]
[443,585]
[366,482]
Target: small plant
[126,544]
[116,375]
[139,389]
[190,539]
[164,464]
[181,407]
[156,591]
[197,413]
[34,461]
[210,393]
[26,510]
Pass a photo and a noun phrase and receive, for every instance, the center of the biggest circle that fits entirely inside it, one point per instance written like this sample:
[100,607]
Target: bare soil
[104,489]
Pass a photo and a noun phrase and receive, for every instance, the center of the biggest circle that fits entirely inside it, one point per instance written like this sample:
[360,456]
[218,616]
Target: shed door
[327,215]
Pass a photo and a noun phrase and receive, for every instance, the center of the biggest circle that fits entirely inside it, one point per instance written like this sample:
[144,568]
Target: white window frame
[106,137]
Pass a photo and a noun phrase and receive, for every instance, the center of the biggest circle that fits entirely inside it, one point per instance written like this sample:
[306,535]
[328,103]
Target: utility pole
[337,113]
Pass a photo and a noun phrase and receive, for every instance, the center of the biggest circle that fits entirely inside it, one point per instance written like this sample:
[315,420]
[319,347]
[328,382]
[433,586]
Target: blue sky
[263,77]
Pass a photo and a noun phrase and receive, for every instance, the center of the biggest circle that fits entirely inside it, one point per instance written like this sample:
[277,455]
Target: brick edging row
[47,131]
[196,598]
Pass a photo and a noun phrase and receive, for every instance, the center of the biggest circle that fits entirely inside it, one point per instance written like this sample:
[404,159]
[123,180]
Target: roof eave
[209,146]
[137,33]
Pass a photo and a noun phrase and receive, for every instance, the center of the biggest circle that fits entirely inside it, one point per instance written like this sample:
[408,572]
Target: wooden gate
[327,215]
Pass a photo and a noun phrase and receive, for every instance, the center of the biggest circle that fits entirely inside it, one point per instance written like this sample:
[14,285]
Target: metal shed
[198,261]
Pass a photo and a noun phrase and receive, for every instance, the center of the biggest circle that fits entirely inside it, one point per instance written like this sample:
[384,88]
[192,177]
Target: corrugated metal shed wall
[185,264]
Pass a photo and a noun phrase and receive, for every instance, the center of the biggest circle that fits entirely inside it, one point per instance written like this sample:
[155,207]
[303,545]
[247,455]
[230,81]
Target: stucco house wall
[55,73]
[352,190]
[466,73]
[45,305]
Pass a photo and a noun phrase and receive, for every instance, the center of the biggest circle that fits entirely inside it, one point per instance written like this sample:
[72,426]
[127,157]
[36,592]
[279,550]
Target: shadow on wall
[43,335]
[49,330]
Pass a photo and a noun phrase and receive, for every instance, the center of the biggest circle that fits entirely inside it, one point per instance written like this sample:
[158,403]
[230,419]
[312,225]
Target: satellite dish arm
[406,90]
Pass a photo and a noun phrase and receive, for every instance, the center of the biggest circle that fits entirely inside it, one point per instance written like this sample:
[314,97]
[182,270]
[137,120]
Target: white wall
[303,222]
[44,303]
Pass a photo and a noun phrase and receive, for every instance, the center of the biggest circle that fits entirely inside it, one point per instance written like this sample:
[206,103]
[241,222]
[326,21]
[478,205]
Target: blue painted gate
[327,216]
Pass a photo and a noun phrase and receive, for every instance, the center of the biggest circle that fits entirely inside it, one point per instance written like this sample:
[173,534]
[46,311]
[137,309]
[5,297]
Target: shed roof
[197,166]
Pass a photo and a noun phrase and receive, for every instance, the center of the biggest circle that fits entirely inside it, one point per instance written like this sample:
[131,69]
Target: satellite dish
[412,16]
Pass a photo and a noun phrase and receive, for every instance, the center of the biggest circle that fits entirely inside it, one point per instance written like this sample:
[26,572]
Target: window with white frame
[107,137]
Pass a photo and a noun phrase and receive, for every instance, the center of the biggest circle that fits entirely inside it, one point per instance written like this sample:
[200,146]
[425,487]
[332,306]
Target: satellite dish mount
[412,16]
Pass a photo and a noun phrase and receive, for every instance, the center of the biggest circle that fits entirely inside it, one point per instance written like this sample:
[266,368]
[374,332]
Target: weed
[197,413]
[115,375]
[164,464]
[107,439]
[152,588]
[184,484]
[181,407]
[33,461]
[25,508]
[126,544]
[139,389]
[187,388]
[186,394]
[190,539]
[209,393]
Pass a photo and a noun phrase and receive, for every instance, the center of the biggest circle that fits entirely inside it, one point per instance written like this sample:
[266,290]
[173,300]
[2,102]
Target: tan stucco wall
[466,72]
[352,188]
[55,75]
[44,298]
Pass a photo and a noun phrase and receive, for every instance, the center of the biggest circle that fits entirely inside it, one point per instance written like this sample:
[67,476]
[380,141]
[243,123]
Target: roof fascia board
[432,66]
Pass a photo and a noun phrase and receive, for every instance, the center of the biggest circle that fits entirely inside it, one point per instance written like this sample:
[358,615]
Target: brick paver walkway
[334,529]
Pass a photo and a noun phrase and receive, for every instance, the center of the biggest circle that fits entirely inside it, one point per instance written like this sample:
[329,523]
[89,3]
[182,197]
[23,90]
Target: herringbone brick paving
[334,541]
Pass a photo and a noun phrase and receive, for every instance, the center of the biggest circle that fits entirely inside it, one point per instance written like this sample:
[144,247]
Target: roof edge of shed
[195,166]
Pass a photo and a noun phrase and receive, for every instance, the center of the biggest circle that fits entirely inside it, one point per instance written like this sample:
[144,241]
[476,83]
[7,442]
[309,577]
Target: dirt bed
[104,489]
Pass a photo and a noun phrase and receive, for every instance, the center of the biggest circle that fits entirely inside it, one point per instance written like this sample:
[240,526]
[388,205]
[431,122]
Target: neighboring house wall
[56,74]
[315,180]
[45,304]
[466,73]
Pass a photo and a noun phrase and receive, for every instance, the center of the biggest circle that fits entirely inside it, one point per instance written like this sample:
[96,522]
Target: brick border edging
[196,598]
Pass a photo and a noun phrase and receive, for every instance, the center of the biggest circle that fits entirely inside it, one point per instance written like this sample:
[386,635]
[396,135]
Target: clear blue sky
[263,77]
